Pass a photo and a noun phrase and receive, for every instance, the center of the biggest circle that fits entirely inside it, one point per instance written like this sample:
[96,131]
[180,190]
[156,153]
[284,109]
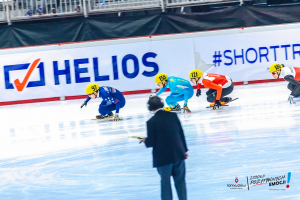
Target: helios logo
[20,85]
[130,66]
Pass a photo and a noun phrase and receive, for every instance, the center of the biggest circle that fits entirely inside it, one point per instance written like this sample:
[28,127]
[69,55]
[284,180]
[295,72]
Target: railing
[119,5]
[176,3]
[14,10]
[3,11]
[26,9]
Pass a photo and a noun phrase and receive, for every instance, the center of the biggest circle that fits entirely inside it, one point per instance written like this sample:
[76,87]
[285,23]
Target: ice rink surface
[55,151]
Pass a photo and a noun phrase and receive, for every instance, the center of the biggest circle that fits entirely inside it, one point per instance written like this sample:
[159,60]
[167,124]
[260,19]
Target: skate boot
[176,108]
[111,114]
[185,108]
[100,117]
[212,104]
[227,100]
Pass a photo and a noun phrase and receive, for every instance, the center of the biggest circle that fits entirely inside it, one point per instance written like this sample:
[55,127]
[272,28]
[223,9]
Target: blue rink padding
[57,152]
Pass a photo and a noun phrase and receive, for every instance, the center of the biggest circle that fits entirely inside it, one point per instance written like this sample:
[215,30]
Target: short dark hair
[155,103]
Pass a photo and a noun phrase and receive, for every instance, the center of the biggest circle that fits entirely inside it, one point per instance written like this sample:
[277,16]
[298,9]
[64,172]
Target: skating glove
[291,99]
[84,104]
[198,93]
[117,118]
[217,104]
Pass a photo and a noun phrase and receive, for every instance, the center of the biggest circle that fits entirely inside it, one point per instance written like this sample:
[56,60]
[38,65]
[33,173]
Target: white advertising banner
[247,56]
[132,66]
[127,67]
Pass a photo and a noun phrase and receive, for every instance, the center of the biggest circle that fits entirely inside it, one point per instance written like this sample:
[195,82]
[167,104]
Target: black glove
[198,93]
[217,104]
[84,104]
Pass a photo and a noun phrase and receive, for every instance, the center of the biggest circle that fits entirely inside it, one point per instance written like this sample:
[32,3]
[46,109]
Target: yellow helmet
[195,74]
[160,78]
[275,67]
[91,88]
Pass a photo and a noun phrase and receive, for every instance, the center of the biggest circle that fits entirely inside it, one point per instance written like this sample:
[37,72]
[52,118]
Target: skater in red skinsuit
[219,87]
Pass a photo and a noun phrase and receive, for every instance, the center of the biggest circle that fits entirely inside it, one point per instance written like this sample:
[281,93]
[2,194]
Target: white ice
[55,151]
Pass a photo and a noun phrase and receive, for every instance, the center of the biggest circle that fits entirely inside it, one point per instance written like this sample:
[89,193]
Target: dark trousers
[177,170]
[212,94]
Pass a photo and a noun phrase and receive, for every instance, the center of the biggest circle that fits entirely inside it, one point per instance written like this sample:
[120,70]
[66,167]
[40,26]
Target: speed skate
[110,118]
[225,104]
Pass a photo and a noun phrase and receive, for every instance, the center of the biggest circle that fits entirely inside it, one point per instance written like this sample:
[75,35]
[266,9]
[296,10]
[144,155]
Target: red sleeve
[198,86]
[209,84]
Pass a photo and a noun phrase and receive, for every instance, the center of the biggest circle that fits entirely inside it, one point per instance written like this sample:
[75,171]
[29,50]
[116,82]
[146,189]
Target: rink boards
[61,71]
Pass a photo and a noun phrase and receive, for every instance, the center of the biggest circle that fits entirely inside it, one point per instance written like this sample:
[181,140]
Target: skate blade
[105,119]
[225,104]
[176,111]
[220,106]
[169,110]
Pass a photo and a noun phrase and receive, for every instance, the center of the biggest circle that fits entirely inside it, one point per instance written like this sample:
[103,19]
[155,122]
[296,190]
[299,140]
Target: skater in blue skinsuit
[113,99]
[181,90]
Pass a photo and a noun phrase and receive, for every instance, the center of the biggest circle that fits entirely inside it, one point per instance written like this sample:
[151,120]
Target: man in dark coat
[165,135]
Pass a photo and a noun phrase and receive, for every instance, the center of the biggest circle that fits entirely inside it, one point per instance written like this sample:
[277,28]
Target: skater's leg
[225,92]
[211,95]
[210,91]
[107,110]
[191,93]
[173,99]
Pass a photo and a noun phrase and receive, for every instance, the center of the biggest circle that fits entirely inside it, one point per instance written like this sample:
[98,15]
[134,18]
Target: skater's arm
[161,91]
[292,80]
[85,102]
[117,102]
[198,86]
[211,85]
[87,99]
[198,90]
[149,141]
